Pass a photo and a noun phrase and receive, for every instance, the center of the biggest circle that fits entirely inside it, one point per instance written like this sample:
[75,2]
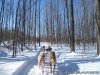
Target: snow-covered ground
[78,63]
[9,65]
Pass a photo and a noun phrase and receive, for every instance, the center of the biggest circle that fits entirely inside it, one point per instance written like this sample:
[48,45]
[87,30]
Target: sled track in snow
[25,68]
[46,71]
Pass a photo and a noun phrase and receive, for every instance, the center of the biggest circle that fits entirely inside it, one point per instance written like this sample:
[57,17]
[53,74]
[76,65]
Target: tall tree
[1,19]
[35,24]
[97,2]
[72,40]
[23,25]
[39,25]
[15,33]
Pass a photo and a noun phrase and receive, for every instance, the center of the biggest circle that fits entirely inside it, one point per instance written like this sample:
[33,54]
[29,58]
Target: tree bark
[39,25]
[97,2]
[72,40]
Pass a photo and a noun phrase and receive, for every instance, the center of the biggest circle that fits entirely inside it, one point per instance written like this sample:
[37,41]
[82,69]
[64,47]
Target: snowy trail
[67,64]
[24,69]
[36,71]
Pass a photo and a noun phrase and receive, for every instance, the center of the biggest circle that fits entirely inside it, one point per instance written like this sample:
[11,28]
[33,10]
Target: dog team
[51,57]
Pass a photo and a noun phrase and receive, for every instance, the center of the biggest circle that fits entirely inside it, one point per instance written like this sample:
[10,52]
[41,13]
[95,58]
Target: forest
[68,22]
[49,37]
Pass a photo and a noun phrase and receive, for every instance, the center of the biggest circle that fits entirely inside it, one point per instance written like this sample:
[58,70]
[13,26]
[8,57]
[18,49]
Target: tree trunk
[72,40]
[39,25]
[24,11]
[15,33]
[35,26]
[1,19]
[97,2]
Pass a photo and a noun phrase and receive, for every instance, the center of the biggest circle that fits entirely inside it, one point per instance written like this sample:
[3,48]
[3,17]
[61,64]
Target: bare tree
[97,3]
[15,32]
[1,19]
[72,38]
[35,24]
[39,25]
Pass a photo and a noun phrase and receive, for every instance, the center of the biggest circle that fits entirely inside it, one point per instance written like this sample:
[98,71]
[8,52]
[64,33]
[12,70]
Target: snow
[75,63]
[7,68]
[35,71]
[9,65]
[73,53]
[90,66]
